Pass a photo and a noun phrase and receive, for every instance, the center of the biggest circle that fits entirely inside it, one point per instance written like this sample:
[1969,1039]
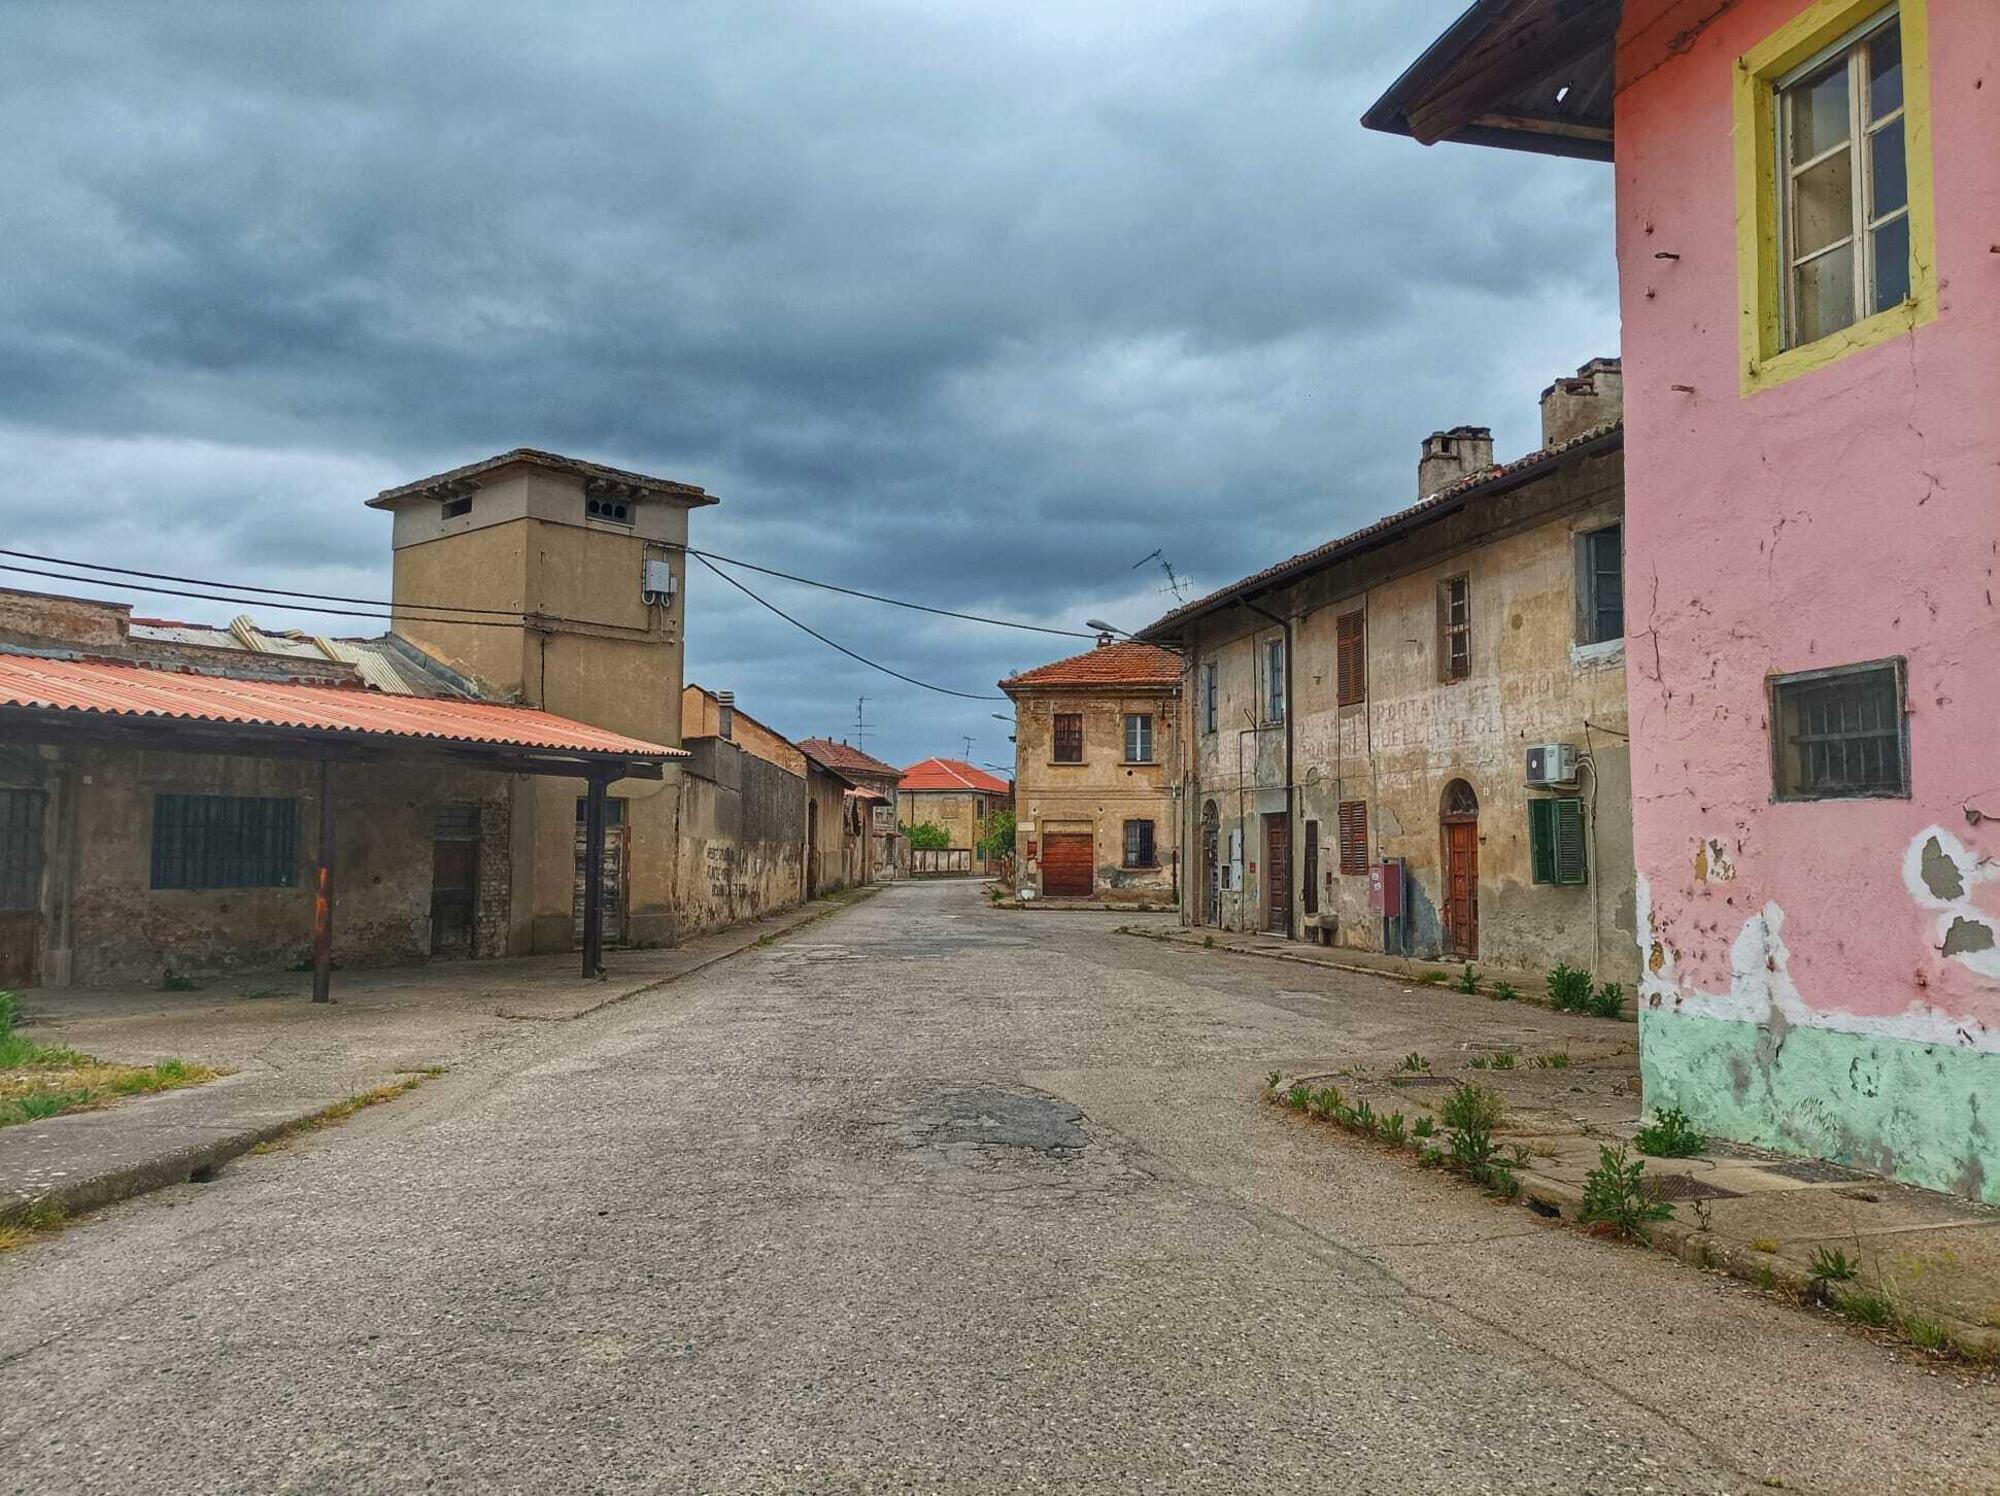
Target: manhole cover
[1817,1171]
[1687,1187]
[1421,1080]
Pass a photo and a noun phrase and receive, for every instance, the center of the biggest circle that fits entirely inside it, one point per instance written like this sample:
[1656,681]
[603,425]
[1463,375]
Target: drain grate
[1817,1171]
[1421,1080]
[1687,1187]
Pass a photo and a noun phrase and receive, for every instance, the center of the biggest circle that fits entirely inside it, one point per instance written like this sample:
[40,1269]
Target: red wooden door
[1461,857]
[1278,874]
[1069,866]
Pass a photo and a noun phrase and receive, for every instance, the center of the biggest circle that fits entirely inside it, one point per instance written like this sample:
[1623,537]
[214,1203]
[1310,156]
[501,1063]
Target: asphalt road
[927,1197]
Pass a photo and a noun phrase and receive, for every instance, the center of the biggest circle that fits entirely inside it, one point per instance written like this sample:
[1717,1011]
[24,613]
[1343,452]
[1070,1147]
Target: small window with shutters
[1353,837]
[1311,886]
[1068,739]
[1351,659]
[1556,852]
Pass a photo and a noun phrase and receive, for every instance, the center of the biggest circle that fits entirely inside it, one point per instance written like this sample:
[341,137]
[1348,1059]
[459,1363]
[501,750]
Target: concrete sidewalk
[292,1058]
[1571,1088]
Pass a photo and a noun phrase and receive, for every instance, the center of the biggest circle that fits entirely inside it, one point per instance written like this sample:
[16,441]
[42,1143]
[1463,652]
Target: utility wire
[60,576]
[831,644]
[894,602]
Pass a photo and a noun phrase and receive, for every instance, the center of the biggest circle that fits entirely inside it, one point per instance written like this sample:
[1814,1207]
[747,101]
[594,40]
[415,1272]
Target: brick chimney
[1594,397]
[1451,455]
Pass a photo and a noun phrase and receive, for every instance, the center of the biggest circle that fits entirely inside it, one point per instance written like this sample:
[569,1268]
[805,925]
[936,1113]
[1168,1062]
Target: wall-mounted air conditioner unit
[1551,763]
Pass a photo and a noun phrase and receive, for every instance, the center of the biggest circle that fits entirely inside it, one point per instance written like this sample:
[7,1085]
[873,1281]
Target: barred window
[1454,628]
[225,841]
[20,848]
[1139,844]
[456,820]
[1068,740]
[1839,734]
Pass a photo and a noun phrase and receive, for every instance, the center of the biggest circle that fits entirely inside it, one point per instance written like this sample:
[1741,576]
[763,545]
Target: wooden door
[1211,871]
[1461,871]
[1278,874]
[1069,865]
[20,887]
[454,895]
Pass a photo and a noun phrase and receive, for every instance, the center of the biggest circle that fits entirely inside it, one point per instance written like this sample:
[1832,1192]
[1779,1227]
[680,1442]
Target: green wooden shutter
[1542,841]
[1572,860]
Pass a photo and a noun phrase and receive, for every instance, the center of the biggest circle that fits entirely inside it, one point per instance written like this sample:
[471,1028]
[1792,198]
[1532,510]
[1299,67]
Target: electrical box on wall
[656,581]
[1551,763]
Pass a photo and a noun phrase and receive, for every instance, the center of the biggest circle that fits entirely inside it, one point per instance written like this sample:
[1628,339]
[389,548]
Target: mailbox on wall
[1385,888]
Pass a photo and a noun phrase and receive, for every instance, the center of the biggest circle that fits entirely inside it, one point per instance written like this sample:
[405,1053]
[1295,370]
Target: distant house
[1096,754]
[873,796]
[961,798]
[1412,739]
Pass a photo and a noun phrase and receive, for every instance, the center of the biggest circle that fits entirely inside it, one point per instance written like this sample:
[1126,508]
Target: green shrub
[1471,1113]
[1830,1265]
[1298,1096]
[1416,1064]
[1364,1116]
[1434,978]
[1556,1061]
[1503,1061]
[1926,1334]
[1391,1127]
[1671,1135]
[10,1012]
[1502,992]
[1424,1127]
[1865,1306]
[1430,1158]
[1608,1001]
[1468,981]
[1615,1195]
[1569,989]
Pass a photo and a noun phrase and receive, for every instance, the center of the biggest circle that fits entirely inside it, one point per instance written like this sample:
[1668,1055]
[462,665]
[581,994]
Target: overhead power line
[151,590]
[894,602]
[833,644]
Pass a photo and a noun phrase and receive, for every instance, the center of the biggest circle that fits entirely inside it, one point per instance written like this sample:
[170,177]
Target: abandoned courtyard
[925,1195]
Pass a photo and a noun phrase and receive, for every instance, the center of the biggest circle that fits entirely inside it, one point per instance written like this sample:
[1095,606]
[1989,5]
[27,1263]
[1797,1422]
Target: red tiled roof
[1119,664]
[1491,482]
[100,689]
[687,493]
[953,774]
[845,757]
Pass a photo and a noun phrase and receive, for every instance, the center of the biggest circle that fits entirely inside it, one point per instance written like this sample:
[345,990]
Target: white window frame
[1275,665]
[1139,737]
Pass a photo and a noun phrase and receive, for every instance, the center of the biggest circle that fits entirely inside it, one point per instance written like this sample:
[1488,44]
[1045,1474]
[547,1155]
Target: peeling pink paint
[1848,515]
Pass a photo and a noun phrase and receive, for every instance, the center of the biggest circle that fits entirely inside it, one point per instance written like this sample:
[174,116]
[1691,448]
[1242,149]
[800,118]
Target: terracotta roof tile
[1122,664]
[953,774]
[844,757]
[101,689]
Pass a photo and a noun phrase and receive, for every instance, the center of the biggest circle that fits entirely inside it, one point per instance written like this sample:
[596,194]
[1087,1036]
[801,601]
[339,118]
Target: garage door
[1068,867]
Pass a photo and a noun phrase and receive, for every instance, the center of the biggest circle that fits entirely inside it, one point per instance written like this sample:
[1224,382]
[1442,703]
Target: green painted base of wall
[1927,1114]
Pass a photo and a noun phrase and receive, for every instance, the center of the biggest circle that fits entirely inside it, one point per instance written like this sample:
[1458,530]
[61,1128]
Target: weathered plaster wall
[741,849]
[1808,981]
[836,856]
[124,930]
[1397,750]
[1103,792]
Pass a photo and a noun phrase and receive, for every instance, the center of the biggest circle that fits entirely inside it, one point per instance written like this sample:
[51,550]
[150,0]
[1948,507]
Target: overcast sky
[977,303]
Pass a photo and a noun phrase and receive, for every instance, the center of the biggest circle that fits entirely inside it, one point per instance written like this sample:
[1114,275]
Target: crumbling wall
[741,850]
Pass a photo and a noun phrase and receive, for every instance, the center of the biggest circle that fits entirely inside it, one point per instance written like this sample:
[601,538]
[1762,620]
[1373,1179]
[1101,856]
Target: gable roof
[953,774]
[845,758]
[1491,483]
[1120,664]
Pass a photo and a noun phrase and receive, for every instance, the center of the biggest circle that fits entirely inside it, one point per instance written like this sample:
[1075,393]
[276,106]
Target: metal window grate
[1841,734]
[1139,844]
[20,848]
[1455,628]
[225,841]
[457,821]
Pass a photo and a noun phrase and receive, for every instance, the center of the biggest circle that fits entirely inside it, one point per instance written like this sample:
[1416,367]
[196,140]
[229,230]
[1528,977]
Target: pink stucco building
[1808,209]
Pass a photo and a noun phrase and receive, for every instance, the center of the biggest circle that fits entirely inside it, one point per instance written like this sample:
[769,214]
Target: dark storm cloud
[978,303]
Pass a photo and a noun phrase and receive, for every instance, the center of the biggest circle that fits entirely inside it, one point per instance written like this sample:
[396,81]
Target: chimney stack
[1451,455]
[1594,397]
[725,703]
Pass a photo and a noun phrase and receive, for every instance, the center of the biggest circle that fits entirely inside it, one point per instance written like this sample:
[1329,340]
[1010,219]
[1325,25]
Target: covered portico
[363,756]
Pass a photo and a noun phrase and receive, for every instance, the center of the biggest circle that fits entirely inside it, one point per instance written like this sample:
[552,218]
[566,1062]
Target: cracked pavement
[929,1196]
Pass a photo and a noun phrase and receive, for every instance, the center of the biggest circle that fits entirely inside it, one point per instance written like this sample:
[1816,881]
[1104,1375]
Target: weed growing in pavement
[1298,1096]
[1763,1243]
[1479,1062]
[1559,1060]
[1364,1116]
[1608,1001]
[1615,1195]
[1468,981]
[1424,1127]
[1500,1179]
[1271,1080]
[1671,1135]
[340,1111]
[1430,1157]
[1391,1127]
[1503,1061]
[1434,978]
[1502,992]
[1569,989]
[1766,1279]
[1829,1266]
[1520,1154]
[174,981]
[1327,1103]
[1208,942]
[1865,1306]
[1925,1333]
[1471,1113]
[1415,1063]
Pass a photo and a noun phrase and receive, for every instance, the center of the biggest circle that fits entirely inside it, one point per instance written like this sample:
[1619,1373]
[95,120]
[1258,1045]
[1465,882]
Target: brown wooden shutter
[1351,660]
[1353,837]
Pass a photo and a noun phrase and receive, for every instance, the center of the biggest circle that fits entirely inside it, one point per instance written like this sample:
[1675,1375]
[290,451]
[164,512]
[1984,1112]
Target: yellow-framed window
[1835,238]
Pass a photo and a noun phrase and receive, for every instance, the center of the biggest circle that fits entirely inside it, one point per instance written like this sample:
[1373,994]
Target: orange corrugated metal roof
[1107,665]
[952,774]
[99,688]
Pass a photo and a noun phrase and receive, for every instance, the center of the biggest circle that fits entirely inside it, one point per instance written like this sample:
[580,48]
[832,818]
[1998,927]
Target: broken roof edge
[1492,482]
[667,488]
[1549,137]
